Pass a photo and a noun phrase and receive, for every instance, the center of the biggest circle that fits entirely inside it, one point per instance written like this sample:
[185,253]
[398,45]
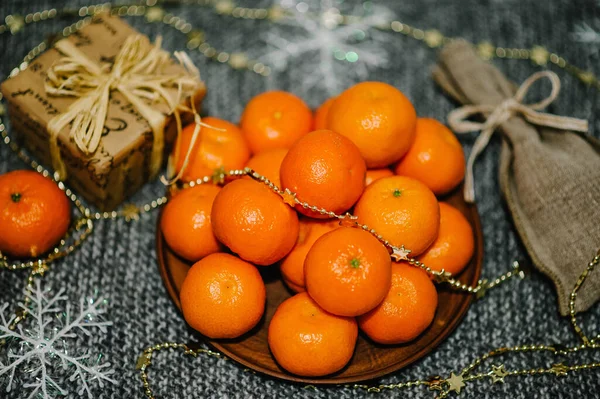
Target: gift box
[131,146]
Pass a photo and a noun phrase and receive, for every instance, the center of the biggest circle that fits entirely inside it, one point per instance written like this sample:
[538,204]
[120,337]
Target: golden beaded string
[83,226]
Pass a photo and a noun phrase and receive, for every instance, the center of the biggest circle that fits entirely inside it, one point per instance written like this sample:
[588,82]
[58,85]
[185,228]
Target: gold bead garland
[82,227]
[455,382]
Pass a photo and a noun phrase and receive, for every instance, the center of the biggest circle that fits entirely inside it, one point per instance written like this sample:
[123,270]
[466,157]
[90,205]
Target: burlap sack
[550,178]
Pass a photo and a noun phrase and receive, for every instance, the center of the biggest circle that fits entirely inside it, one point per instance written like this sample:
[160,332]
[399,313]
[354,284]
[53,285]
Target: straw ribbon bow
[137,73]
[498,114]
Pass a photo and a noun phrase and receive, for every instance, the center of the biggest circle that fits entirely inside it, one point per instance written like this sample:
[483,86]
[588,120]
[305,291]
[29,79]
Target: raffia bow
[137,74]
[498,114]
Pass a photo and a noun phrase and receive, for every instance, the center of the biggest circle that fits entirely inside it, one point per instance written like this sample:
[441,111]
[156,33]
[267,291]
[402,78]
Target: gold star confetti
[131,212]
[435,383]
[224,7]
[238,60]
[481,290]
[587,77]
[15,23]
[143,361]
[443,276]
[155,14]
[218,176]
[399,254]
[433,38]
[559,369]
[40,268]
[288,197]
[348,220]
[276,13]
[539,55]
[486,50]
[455,383]
[498,373]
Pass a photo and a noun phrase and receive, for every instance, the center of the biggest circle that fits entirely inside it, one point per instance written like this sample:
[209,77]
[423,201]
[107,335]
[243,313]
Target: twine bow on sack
[137,73]
[498,114]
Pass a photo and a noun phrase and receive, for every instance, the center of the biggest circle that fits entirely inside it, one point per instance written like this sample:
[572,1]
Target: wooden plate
[370,360]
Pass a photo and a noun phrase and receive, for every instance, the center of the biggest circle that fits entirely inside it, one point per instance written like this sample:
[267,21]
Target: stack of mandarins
[364,153]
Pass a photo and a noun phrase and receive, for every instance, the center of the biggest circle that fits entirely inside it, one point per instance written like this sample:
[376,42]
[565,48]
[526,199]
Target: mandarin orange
[436,157]
[222,296]
[186,224]
[275,119]
[306,340]
[322,113]
[378,118]
[403,210]
[34,213]
[407,310]
[268,164]
[347,271]
[254,222]
[376,174]
[326,170]
[213,149]
[292,266]
[454,245]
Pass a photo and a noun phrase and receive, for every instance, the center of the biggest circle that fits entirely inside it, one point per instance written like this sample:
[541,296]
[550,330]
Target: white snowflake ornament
[40,354]
[328,50]
[588,34]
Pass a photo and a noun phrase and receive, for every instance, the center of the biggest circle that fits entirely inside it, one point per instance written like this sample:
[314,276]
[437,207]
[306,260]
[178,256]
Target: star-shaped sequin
[40,268]
[348,220]
[218,176]
[288,197]
[486,50]
[455,383]
[399,254]
[435,383]
[539,55]
[155,14]
[433,38]
[498,373]
[131,212]
[559,369]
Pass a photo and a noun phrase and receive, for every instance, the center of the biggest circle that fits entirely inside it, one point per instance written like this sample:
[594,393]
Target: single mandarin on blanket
[34,213]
